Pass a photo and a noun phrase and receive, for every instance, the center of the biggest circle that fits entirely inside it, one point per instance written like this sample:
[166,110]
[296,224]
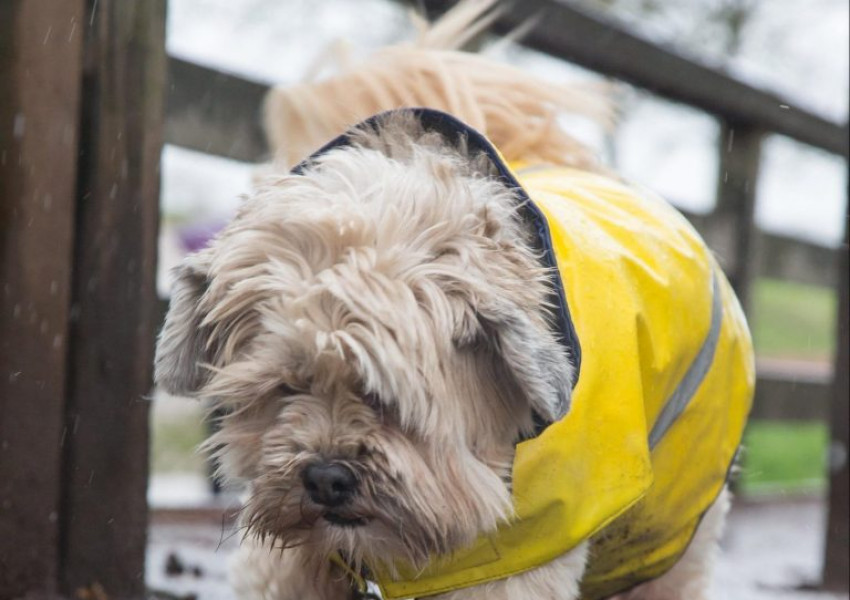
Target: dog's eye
[287,390]
[373,401]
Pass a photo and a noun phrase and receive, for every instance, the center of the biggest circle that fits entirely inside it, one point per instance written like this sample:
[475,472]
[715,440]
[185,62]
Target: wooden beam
[837,553]
[603,45]
[40,62]
[215,112]
[782,257]
[787,397]
[112,334]
[219,113]
[730,228]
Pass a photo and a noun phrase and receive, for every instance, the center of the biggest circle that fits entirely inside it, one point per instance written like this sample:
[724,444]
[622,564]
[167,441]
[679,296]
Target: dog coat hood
[659,406]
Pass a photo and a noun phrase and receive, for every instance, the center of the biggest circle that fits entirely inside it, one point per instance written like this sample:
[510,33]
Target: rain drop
[19,125]
[837,456]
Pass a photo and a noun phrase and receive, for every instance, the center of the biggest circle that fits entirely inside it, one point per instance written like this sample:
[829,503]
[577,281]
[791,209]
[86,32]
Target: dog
[455,356]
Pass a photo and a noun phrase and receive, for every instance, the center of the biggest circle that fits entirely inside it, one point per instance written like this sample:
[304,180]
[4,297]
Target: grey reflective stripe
[678,401]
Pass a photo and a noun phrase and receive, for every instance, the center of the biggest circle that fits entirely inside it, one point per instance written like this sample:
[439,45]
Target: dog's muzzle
[329,484]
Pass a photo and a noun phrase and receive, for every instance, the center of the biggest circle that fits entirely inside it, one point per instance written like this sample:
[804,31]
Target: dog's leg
[260,572]
[690,578]
[557,580]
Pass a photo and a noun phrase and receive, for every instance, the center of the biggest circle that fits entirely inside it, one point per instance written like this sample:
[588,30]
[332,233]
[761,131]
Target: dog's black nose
[329,484]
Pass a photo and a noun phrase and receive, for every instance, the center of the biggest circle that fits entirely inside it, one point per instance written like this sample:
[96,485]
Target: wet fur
[383,310]
[398,328]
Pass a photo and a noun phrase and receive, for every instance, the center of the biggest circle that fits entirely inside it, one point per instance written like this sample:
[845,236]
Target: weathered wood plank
[112,334]
[40,62]
[837,554]
[730,228]
[787,397]
[602,45]
[215,112]
[219,114]
[782,257]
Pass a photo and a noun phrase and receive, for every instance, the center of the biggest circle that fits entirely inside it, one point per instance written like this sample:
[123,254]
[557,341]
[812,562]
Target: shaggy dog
[377,328]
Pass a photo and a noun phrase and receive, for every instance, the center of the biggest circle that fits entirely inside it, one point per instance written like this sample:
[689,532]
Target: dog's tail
[517,111]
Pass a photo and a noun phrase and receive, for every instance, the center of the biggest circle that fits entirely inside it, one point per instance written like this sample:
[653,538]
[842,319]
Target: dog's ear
[183,345]
[535,359]
[528,352]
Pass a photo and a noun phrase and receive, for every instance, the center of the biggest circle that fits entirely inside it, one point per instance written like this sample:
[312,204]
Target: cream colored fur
[517,111]
[384,311]
[258,572]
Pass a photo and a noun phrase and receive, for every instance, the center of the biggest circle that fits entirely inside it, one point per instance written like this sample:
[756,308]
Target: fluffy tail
[517,111]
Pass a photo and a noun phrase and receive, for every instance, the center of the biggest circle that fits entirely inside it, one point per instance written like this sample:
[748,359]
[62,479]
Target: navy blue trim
[454,130]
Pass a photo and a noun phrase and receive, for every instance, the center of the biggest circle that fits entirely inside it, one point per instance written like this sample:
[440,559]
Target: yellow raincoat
[658,410]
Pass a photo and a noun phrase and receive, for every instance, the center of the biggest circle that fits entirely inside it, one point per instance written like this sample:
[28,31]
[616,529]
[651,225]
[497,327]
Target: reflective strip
[678,401]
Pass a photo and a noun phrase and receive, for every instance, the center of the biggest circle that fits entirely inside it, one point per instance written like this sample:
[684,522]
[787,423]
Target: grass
[782,457]
[792,320]
[174,443]
[789,320]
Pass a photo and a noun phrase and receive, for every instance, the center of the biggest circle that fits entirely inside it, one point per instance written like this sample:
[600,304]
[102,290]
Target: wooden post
[730,230]
[836,568]
[114,298]
[40,62]
[80,140]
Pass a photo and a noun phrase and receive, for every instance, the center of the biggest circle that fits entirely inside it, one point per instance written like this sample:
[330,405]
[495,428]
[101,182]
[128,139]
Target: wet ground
[770,550]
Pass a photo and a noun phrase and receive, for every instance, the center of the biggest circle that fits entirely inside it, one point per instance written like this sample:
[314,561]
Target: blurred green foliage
[783,457]
[793,320]
[174,442]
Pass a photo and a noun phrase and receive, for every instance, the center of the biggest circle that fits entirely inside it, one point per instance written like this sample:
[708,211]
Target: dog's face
[374,331]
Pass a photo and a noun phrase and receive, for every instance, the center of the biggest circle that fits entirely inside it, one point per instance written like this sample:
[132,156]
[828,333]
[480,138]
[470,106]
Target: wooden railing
[218,113]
